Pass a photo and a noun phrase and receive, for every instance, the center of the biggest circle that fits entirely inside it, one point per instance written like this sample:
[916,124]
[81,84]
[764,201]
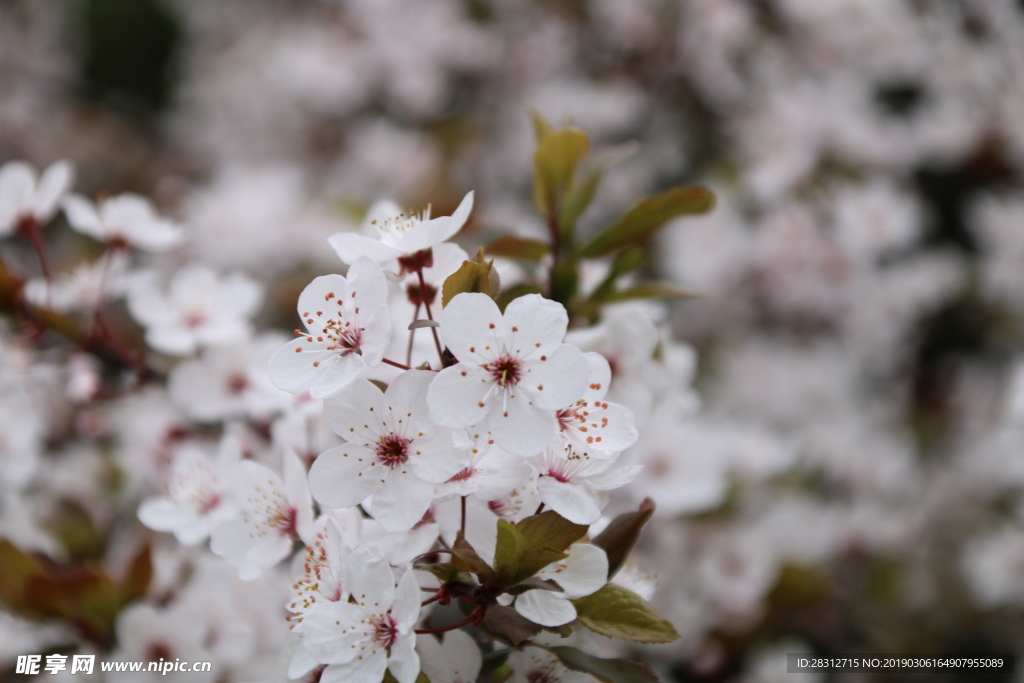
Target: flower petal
[404,663]
[369,578]
[336,375]
[572,501]
[350,246]
[295,366]
[522,428]
[545,608]
[359,414]
[367,284]
[557,379]
[406,608]
[468,325]
[583,572]
[332,631]
[55,181]
[83,216]
[400,503]
[534,326]
[342,477]
[458,395]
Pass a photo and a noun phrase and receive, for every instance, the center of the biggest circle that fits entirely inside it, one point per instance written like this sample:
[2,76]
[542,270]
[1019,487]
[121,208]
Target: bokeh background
[852,480]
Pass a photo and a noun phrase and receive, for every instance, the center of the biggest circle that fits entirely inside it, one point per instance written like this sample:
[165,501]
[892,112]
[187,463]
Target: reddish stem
[475,617]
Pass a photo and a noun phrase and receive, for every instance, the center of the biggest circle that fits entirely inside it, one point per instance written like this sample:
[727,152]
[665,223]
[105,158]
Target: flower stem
[412,334]
[430,316]
[400,366]
[463,525]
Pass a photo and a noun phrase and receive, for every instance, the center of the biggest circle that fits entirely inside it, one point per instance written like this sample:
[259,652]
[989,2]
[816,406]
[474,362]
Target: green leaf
[466,559]
[604,670]
[514,292]
[545,538]
[648,290]
[507,622]
[515,247]
[447,572]
[507,553]
[617,612]
[495,660]
[16,567]
[641,222]
[472,276]
[541,127]
[555,160]
[626,261]
[579,198]
[619,537]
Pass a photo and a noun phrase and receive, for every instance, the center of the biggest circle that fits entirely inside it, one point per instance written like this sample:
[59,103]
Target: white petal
[376,335]
[55,181]
[572,501]
[434,660]
[545,608]
[343,476]
[469,323]
[330,629]
[350,246]
[83,216]
[367,284]
[558,380]
[434,457]
[336,375]
[358,414]
[295,371]
[456,397]
[605,428]
[302,662]
[400,503]
[534,325]
[600,376]
[613,479]
[404,663]
[370,580]
[321,300]
[370,667]
[583,572]
[406,608]
[463,654]
[522,428]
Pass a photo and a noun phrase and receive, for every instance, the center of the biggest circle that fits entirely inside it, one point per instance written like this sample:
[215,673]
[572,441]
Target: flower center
[505,370]
[237,383]
[385,631]
[392,450]
[285,520]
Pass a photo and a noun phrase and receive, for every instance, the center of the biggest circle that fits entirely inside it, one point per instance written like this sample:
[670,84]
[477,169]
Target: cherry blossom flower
[595,425]
[455,659]
[394,452]
[406,238]
[492,472]
[360,640]
[83,288]
[514,370]
[570,479]
[273,514]
[23,197]
[127,219]
[197,496]
[147,633]
[583,572]
[321,575]
[347,329]
[229,382]
[200,308]
[532,664]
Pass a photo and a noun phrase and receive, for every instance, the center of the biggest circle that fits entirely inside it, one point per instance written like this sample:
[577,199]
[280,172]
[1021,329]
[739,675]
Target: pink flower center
[392,450]
[285,521]
[195,319]
[237,383]
[505,370]
[385,630]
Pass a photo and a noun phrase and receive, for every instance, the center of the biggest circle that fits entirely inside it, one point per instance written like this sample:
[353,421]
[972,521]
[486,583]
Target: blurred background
[860,325]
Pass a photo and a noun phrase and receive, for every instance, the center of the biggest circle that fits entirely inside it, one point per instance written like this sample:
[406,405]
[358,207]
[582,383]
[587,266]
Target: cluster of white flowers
[858,419]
